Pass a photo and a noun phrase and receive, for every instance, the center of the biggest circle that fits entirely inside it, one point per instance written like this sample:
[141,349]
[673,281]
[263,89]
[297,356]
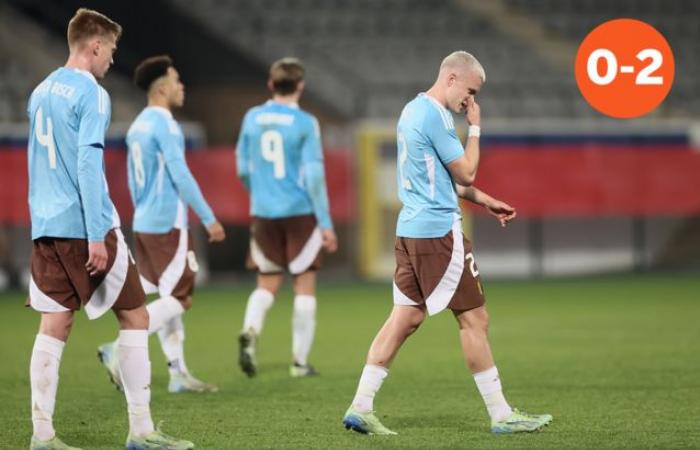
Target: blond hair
[464,60]
[87,23]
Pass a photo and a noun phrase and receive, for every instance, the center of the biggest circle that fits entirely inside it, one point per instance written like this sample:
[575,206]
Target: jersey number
[472,264]
[45,138]
[272,147]
[137,158]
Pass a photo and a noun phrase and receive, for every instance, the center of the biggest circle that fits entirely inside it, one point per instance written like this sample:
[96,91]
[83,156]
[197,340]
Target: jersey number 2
[272,147]
[45,137]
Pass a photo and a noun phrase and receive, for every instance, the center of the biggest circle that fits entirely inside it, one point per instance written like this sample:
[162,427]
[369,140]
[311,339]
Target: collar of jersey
[291,105]
[84,73]
[435,102]
[165,111]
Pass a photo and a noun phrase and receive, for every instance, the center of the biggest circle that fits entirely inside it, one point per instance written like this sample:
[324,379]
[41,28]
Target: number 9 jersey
[69,114]
[280,160]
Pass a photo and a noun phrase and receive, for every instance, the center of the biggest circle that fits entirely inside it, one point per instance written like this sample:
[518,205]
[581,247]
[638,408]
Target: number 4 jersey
[68,196]
[280,160]
[160,183]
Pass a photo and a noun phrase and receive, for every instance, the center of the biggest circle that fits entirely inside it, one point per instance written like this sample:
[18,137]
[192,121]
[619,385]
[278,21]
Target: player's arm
[91,183]
[501,210]
[243,154]
[315,177]
[173,148]
[463,169]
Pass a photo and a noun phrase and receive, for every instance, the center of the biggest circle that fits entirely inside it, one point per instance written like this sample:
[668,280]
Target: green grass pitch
[616,360]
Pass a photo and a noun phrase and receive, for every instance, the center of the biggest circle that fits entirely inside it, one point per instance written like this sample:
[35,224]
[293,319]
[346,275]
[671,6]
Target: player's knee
[57,326]
[416,321]
[474,319]
[186,302]
[133,319]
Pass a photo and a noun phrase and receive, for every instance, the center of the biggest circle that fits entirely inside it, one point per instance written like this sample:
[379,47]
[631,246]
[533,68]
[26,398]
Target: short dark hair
[286,74]
[150,69]
[87,23]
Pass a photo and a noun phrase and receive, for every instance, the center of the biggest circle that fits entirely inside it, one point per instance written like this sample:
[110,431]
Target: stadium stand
[367,62]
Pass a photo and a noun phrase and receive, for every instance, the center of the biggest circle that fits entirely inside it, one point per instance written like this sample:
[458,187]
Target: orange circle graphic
[624,68]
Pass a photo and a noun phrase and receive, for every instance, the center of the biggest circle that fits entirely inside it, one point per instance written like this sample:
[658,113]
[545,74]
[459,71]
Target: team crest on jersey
[192,261]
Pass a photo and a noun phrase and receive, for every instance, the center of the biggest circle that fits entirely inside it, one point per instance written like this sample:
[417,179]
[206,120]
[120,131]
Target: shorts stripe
[172,274]
[401,299]
[148,287]
[444,291]
[108,291]
[42,302]
[308,254]
[260,260]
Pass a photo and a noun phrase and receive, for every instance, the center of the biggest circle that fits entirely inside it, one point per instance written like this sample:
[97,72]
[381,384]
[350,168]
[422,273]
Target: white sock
[161,311]
[259,303]
[43,374]
[135,370]
[370,382]
[303,327]
[172,340]
[489,384]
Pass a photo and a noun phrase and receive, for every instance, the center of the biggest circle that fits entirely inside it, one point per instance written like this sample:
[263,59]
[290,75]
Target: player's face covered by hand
[103,49]
[462,86]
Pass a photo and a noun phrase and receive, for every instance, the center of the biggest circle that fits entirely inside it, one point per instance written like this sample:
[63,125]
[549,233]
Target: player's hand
[97,258]
[502,211]
[216,232]
[473,112]
[330,241]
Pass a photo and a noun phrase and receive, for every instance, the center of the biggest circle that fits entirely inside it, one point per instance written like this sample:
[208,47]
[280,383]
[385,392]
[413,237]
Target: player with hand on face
[79,256]
[435,267]
[280,161]
[162,188]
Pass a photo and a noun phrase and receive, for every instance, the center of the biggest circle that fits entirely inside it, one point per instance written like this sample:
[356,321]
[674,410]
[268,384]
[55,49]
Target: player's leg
[172,341]
[303,324]
[54,330]
[50,275]
[473,335]
[135,373]
[403,321]
[259,303]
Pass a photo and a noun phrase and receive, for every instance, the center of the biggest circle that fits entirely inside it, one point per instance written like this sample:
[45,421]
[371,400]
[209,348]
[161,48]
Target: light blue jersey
[69,114]
[160,183]
[280,161]
[427,142]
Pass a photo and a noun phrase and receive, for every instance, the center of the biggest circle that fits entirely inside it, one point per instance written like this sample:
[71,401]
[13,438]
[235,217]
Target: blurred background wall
[594,195]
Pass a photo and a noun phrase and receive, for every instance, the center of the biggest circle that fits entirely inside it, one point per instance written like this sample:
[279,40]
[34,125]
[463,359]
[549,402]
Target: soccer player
[162,188]
[435,266]
[280,161]
[79,257]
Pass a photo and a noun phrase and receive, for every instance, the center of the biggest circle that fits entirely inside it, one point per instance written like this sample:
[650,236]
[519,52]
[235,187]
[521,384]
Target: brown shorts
[166,262]
[60,281]
[437,272]
[291,243]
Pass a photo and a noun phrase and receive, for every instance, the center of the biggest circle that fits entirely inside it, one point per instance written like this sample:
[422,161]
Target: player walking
[79,257]
[162,188]
[280,161]
[435,266]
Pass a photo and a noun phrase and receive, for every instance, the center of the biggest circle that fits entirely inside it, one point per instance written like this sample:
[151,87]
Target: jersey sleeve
[243,162]
[172,144]
[95,113]
[314,173]
[440,129]
[93,116]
